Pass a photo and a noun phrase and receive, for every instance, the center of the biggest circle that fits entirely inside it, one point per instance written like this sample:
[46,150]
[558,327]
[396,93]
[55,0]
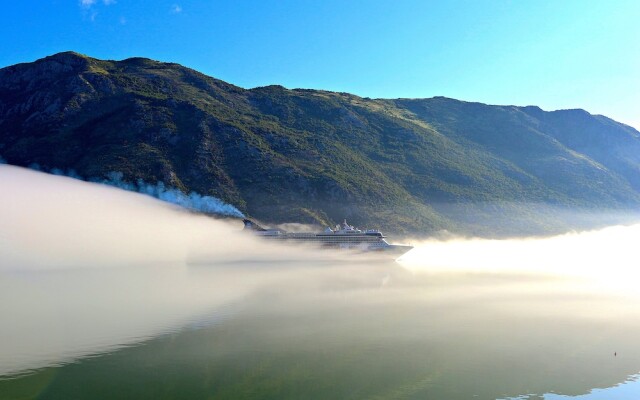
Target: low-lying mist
[53,222]
[606,255]
[96,267]
[86,268]
[192,201]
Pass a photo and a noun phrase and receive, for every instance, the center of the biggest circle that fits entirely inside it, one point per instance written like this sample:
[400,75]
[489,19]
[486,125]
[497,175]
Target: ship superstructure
[342,236]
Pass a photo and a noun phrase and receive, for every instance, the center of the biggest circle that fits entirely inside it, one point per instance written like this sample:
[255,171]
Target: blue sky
[554,54]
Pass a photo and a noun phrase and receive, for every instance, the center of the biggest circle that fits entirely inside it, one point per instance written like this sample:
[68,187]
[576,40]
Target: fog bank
[192,201]
[97,267]
[86,268]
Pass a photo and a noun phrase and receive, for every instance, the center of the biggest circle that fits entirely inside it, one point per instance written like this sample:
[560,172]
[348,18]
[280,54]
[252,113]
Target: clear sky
[554,54]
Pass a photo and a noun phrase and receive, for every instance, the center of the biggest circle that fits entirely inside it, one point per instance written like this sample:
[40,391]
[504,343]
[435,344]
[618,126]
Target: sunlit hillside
[312,156]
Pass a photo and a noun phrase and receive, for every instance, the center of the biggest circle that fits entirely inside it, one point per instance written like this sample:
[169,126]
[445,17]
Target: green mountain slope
[405,165]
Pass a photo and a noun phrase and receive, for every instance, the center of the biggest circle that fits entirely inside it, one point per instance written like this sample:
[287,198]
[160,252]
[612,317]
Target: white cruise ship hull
[348,238]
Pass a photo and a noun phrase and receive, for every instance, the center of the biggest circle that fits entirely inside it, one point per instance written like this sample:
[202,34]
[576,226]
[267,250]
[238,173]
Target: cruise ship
[342,236]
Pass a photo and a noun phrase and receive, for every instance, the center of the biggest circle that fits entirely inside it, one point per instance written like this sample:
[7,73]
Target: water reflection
[56,317]
[374,331]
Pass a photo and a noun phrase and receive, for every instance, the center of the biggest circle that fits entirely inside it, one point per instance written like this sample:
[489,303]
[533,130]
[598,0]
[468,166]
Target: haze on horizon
[555,55]
[70,245]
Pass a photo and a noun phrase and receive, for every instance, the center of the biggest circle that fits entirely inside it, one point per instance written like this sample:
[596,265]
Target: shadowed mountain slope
[404,165]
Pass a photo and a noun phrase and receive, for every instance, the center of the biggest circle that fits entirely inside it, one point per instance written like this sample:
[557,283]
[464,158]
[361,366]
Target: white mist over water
[86,268]
[54,222]
[191,201]
[607,255]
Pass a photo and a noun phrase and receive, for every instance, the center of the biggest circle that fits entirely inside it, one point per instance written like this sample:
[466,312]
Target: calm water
[363,331]
[111,295]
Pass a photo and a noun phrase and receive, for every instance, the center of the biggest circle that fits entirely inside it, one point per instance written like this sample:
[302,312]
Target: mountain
[313,156]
